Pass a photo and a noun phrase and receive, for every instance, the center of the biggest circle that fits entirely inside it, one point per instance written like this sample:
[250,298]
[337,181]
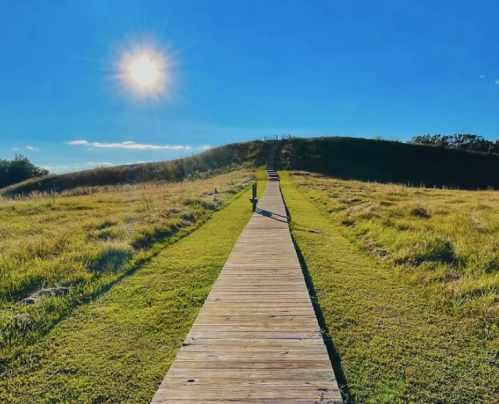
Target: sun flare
[144,71]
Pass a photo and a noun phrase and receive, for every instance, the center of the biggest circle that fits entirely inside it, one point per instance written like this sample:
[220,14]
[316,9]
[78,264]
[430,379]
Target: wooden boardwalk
[256,339]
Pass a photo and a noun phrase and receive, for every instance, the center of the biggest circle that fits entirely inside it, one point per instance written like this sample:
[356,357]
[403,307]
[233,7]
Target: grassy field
[389,338]
[445,239]
[100,284]
[60,250]
[118,347]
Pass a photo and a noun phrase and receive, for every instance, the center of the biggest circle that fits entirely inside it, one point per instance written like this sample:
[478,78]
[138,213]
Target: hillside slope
[388,161]
[341,157]
[202,165]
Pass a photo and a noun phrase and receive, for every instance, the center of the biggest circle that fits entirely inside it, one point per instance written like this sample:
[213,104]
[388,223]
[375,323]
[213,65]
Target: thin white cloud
[497,81]
[100,164]
[15,148]
[481,76]
[77,167]
[55,168]
[206,147]
[31,148]
[128,145]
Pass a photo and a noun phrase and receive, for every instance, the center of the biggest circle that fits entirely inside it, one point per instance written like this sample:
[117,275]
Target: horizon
[231,72]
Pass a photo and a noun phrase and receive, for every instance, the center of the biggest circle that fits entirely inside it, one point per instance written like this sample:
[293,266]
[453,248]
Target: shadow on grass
[331,350]
[333,353]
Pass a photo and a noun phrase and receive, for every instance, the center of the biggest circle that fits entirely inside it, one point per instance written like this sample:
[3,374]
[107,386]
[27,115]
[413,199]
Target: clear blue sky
[238,70]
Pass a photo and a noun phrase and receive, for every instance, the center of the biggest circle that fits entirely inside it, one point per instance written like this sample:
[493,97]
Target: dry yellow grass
[88,238]
[448,239]
[389,339]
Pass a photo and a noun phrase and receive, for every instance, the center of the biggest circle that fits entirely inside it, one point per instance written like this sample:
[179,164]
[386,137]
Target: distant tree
[18,169]
[461,141]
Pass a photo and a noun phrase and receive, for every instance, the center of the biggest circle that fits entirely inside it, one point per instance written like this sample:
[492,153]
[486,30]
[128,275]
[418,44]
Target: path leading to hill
[256,339]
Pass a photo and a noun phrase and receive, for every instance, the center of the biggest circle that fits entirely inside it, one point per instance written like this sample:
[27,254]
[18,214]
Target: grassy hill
[207,164]
[341,157]
[389,161]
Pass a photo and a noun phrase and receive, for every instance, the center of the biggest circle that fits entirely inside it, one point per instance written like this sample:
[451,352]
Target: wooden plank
[277,375]
[256,339]
[256,393]
[290,343]
[252,364]
[234,355]
[245,401]
[250,318]
[229,310]
[255,335]
[244,349]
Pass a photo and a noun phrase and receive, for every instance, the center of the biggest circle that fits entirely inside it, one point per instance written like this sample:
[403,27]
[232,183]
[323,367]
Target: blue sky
[239,70]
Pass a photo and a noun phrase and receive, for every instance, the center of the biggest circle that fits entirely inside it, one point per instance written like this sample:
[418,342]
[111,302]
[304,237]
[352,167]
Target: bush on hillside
[17,170]
[459,141]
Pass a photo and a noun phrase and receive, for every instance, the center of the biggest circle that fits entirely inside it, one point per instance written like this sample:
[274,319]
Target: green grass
[445,239]
[406,279]
[87,240]
[394,342]
[118,348]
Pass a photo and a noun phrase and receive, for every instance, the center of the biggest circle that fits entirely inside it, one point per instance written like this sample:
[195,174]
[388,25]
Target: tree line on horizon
[19,169]
[460,141]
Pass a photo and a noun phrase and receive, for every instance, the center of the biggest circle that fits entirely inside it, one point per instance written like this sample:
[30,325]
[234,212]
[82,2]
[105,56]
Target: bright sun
[144,71]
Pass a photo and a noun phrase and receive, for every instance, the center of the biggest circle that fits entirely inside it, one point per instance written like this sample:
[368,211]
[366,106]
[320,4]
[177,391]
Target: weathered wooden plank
[251,318]
[250,328]
[256,339]
[264,382]
[258,392]
[243,349]
[290,343]
[245,401]
[255,335]
[277,375]
[252,364]
[233,355]
[227,310]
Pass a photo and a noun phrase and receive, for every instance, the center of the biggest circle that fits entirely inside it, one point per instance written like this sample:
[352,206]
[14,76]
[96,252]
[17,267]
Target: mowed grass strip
[118,348]
[395,343]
